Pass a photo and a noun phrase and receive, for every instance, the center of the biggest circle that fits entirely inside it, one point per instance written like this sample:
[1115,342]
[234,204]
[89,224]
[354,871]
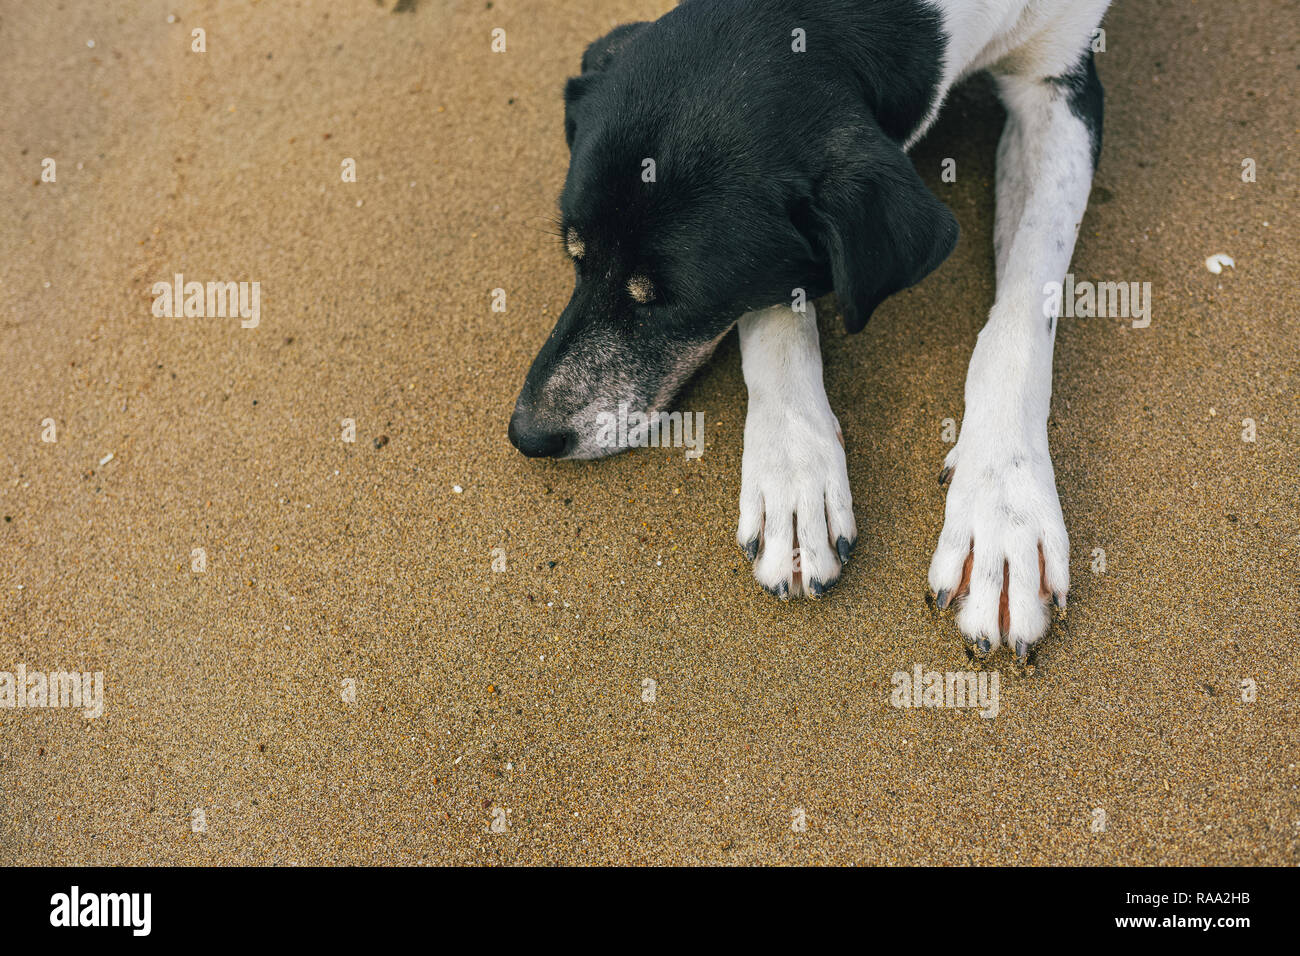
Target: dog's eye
[573,244]
[641,289]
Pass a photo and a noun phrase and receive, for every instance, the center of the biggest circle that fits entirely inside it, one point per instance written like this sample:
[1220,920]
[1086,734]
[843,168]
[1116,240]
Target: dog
[735,157]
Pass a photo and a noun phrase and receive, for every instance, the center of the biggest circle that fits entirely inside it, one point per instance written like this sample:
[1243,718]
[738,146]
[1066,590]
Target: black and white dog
[735,153]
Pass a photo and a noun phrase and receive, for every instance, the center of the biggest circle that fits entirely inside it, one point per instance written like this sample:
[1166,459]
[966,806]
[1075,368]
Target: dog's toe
[818,561]
[775,565]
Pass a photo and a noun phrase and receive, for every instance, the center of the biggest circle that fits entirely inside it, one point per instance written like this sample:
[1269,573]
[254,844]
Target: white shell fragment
[1216,262]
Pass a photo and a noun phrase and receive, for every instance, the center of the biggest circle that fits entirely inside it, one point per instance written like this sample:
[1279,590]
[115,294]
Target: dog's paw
[1003,553]
[796,511]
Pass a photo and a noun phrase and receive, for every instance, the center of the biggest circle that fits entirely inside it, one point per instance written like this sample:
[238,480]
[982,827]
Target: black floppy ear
[594,61]
[880,229]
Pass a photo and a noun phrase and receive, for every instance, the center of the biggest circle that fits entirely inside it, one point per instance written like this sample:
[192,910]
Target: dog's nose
[534,441]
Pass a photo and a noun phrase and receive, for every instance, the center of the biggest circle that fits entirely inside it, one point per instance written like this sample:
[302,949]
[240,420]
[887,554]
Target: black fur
[775,170]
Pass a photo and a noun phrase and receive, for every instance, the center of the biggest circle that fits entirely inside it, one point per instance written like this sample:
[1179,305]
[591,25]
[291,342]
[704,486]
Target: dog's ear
[595,60]
[878,227]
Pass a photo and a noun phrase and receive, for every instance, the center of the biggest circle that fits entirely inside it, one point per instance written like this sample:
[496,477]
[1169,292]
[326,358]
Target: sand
[515,697]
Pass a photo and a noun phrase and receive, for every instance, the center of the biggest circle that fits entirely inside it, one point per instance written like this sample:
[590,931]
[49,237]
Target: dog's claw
[941,599]
[944,476]
[1022,652]
[782,592]
[751,550]
[984,646]
[816,588]
[845,548]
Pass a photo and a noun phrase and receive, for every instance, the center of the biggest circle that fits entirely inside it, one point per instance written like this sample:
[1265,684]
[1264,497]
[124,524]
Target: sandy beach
[419,647]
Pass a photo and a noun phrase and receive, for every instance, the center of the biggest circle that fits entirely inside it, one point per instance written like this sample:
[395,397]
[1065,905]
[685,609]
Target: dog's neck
[907,54]
[977,35]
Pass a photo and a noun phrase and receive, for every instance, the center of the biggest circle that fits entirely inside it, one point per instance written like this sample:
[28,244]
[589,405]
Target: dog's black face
[700,188]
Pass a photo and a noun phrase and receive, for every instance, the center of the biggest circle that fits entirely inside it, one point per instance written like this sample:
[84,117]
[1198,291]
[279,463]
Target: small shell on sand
[1216,262]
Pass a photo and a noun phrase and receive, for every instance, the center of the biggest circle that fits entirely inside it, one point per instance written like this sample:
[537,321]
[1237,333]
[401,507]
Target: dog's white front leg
[796,512]
[1004,550]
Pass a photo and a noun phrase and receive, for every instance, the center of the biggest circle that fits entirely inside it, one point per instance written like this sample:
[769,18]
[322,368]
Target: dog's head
[703,184]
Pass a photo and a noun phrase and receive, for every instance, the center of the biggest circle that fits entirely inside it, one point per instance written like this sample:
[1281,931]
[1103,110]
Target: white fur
[793,467]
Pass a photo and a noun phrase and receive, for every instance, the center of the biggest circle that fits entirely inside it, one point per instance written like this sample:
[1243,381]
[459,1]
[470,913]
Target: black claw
[817,588]
[845,548]
[751,550]
[1022,651]
[941,599]
[781,591]
[944,476]
[984,645]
